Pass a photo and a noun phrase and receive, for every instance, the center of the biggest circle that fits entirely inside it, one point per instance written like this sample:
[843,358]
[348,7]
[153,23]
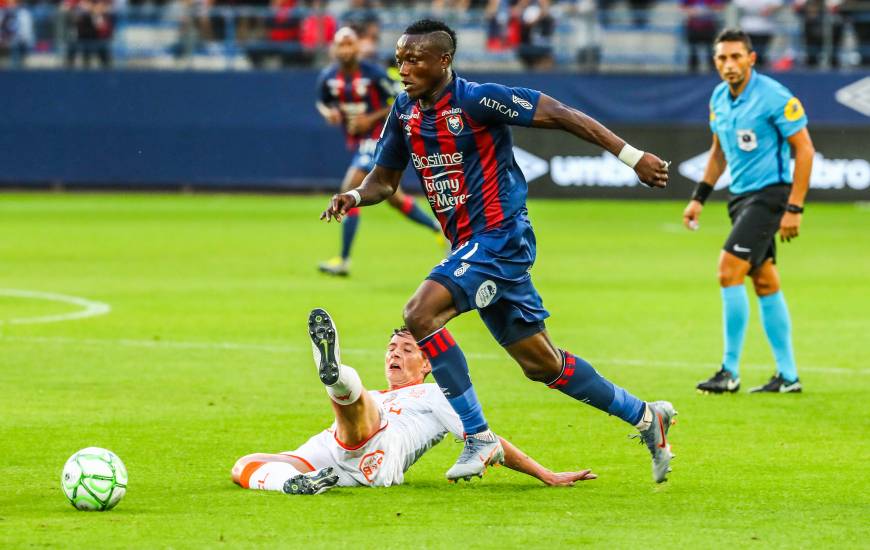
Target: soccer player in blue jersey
[456,134]
[357,94]
[756,124]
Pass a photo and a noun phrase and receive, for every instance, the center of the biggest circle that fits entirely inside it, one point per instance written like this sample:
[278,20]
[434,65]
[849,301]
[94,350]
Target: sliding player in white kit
[376,436]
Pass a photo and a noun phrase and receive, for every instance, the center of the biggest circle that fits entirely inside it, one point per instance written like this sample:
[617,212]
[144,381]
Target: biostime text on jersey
[442,188]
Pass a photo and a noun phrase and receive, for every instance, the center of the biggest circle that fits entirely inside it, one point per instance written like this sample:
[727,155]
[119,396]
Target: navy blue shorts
[490,273]
[364,158]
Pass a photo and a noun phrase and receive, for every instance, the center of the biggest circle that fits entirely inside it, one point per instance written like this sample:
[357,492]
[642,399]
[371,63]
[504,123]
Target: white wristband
[356,198]
[630,156]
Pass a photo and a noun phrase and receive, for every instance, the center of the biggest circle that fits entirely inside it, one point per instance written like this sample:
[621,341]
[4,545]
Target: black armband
[794,209]
[702,191]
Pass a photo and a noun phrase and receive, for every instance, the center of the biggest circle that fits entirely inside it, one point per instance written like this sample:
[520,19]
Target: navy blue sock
[348,231]
[451,373]
[582,382]
[415,213]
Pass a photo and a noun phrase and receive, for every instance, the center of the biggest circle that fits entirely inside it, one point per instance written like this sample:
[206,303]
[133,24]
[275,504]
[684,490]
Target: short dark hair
[402,331]
[428,26]
[734,35]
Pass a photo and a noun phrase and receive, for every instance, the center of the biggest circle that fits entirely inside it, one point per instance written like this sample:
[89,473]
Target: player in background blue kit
[357,94]
[756,124]
[456,134]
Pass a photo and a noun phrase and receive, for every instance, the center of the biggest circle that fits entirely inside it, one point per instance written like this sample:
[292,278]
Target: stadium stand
[502,35]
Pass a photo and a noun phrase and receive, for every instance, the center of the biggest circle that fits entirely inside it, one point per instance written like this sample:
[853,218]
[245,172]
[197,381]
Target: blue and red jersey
[462,151]
[365,90]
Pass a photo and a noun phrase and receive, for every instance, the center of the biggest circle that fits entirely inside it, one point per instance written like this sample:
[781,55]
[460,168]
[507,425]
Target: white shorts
[378,462]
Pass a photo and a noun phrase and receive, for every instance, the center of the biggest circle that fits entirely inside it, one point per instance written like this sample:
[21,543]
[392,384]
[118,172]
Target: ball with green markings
[94,479]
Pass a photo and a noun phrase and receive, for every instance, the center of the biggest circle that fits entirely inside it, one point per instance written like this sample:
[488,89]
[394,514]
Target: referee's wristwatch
[794,209]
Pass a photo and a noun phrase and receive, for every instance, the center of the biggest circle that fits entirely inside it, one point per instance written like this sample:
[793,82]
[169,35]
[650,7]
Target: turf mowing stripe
[276,348]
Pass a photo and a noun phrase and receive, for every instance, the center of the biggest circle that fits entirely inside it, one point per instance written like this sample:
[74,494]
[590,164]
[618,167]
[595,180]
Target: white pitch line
[282,349]
[91,308]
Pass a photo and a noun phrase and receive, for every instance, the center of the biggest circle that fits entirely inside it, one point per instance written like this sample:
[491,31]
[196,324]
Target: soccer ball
[94,479]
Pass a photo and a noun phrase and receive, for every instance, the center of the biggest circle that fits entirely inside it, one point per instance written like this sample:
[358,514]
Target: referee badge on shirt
[455,125]
[746,140]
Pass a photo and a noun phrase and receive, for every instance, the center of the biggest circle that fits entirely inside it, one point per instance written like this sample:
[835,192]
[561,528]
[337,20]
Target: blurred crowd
[298,32]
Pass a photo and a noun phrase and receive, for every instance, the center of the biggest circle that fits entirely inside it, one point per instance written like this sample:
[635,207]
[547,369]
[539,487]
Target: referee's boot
[778,384]
[723,381]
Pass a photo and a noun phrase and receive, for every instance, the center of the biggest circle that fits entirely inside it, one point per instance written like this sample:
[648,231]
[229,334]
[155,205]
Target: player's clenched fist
[652,171]
[338,207]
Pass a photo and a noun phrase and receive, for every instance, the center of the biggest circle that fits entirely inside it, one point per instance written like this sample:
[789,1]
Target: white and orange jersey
[413,420]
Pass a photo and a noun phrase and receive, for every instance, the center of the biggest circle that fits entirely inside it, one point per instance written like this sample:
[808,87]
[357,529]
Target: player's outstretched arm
[379,184]
[517,460]
[550,113]
[712,172]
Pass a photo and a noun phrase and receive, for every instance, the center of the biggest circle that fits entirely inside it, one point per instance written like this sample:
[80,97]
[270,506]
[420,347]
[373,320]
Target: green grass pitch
[204,357]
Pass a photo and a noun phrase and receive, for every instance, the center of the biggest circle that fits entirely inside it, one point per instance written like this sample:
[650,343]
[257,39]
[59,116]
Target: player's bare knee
[536,374]
[541,371]
[418,320]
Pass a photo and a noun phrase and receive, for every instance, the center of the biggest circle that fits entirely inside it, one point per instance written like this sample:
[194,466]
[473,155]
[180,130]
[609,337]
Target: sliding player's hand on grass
[338,207]
[567,479]
[652,171]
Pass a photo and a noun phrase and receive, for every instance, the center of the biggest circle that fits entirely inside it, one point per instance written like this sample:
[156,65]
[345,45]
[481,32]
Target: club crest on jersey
[455,125]
[370,464]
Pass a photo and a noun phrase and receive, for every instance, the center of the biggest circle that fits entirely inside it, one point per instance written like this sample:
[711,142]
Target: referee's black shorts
[755,220]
